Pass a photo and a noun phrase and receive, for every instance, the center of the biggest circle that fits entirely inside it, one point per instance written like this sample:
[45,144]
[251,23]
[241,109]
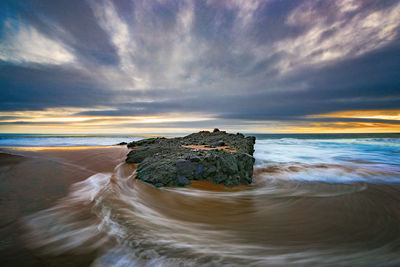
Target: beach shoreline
[35,178]
[81,206]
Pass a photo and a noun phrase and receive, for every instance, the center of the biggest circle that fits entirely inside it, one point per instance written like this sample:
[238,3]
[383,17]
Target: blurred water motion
[312,202]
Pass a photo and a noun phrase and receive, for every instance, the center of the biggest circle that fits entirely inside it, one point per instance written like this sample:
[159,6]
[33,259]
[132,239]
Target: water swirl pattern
[313,202]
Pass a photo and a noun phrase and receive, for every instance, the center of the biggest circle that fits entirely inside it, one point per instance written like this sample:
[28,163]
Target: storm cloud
[232,61]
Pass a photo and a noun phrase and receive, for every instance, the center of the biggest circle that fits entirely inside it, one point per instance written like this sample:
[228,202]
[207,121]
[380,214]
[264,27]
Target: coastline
[35,178]
[322,203]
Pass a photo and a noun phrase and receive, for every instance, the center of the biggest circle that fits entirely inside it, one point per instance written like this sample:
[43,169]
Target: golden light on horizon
[68,120]
[71,120]
[344,127]
[362,114]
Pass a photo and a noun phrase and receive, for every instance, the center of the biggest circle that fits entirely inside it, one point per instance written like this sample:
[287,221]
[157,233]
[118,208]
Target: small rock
[198,170]
[251,139]
[132,144]
[122,144]
[184,167]
[211,170]
[219,179]
[182,181]
[219,143]
[193,158]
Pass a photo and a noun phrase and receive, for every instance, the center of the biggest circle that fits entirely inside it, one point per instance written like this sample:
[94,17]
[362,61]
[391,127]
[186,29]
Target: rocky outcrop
[122,144]
[217,156]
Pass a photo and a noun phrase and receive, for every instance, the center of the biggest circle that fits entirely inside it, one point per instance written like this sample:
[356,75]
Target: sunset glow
[200,132]
[363,114]
[169,67]
[65,121]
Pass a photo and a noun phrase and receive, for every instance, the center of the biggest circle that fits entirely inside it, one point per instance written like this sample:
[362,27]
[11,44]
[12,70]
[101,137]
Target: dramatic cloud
[24,44]
[249,65]
[343,37]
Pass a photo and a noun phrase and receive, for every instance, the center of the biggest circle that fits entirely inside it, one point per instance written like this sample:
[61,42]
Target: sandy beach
[78,206]
[33,179]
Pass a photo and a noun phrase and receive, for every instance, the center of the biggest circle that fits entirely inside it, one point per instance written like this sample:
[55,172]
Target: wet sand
[36,178]
[209,186]
[109,218]
[126,222]
[32,179]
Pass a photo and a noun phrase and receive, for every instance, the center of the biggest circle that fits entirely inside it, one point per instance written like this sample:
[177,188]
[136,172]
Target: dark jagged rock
[122,144]
[147,141]
[219,143]
[176,161]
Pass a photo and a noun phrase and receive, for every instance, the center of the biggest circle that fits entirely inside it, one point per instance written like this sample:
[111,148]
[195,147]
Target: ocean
[361,155]
[316,199]
[63,140]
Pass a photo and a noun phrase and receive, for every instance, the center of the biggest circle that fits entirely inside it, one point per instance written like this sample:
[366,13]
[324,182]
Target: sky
[127,66]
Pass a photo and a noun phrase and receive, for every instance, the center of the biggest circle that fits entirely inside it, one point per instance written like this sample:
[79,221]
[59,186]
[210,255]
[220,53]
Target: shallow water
[54,140]
[312,202]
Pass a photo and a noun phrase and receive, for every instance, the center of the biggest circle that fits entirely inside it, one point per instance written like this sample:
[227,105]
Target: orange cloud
[344,127]
[65,121]
[362,114]
[386,124]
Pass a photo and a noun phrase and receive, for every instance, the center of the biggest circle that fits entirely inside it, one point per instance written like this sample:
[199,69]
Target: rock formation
[217,156]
